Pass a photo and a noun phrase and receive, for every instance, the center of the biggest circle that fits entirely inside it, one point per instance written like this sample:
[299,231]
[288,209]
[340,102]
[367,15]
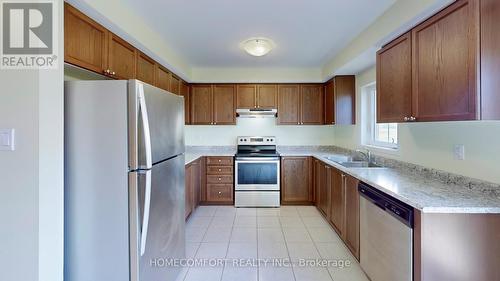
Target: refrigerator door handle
[145,218]
[145,126]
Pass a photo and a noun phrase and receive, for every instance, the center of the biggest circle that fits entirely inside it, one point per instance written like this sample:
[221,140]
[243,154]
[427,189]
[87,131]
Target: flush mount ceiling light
[257,46]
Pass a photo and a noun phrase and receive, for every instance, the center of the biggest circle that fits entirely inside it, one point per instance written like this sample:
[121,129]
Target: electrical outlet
[459,152]
[7,140]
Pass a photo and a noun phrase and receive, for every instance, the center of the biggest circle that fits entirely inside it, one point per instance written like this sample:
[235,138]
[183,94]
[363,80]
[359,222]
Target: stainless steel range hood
[256,113]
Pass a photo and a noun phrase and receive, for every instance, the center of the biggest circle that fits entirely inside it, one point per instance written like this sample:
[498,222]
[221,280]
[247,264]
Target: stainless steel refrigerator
[124,181]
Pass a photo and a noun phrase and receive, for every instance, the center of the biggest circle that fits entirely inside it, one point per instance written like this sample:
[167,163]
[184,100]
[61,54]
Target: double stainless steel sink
[349,162]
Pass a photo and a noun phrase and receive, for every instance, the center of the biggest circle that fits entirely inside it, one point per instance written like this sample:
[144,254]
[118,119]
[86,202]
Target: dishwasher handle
[394,207]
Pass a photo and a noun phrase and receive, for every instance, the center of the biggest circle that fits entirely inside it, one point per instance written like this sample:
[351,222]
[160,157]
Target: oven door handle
[255,159]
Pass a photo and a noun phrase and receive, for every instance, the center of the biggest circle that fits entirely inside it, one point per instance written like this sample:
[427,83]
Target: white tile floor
[290,232]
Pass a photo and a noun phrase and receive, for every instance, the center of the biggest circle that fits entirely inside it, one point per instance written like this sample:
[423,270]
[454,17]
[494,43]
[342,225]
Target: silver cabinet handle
[220,160]
[220,170]
[220,179]
[220,192]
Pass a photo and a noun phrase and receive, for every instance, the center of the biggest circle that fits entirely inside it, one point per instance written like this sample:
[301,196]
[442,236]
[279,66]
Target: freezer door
[157,220]
[156,125]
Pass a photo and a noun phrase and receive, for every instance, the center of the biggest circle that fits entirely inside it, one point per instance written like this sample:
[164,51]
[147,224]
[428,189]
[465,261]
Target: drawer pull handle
[220,192]
[220,179]
[220,170]
[220,160]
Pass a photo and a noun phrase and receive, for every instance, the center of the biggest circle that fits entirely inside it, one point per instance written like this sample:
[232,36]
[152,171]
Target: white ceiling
[307,33]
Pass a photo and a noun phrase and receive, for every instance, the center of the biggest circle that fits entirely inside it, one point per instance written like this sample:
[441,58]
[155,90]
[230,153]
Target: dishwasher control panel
[400,210]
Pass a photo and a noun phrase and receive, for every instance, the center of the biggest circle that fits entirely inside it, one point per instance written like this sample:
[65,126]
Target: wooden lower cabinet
[351,215]
[193,186]
[220,193]
[219,180]
[337,200]
[323,187]
[296,185]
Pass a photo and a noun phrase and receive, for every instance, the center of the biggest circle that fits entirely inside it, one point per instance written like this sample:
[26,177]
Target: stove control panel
[257,140]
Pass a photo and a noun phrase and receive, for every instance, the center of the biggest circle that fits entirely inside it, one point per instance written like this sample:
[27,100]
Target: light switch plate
[7,140]
[459,152]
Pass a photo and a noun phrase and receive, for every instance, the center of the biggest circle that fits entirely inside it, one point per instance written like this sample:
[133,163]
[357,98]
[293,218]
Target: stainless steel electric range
[257,173]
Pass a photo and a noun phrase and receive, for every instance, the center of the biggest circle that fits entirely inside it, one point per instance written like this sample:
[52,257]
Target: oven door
[257,174]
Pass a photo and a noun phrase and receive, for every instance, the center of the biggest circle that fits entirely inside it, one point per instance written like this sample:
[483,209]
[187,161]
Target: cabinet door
[296,180]
[394,90]
[445,64]
[201,105]
[345,99]
[121,58]
[184,91]
[224,105]
[146,69]
[352,215]
[189,190]
[324,184]
[174,84]
[196,179]
[84,41]
[490,60]
[288,105]
[311,104]
[267,96]
[329,103]
[246,96]
[337,201]
[162,78]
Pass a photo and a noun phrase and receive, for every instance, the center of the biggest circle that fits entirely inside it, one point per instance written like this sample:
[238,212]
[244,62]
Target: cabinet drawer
[220,170]
[226,161]
[220,179]
[219,192]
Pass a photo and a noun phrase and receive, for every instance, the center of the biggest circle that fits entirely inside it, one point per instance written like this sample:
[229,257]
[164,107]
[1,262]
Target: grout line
[287,250]
[201,242]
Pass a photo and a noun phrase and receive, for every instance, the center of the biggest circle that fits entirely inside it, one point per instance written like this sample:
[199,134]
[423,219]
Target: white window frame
[369,121]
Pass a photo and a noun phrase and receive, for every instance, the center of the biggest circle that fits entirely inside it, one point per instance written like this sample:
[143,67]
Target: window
[383,135]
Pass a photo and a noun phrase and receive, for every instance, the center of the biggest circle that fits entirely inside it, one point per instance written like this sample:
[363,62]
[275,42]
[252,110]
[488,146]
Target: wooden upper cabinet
[329,103]
[175,84]
[224,100]
[84,41]
[352,214]
[146,69]
[394,81]
[246,96]
[490,60]
[311,104]
[288,104]
[184,91]
[337,201]
[162,78]
[267,96]
[445,64]
[121,58]
[201,104]
[296,184]
[340,100]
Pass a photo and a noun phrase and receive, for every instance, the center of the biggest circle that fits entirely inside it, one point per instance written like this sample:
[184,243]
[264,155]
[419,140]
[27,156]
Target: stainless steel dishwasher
[386,236]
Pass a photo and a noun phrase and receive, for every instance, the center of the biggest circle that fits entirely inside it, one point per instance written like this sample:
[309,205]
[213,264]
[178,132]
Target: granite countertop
[427,194]
[193,153]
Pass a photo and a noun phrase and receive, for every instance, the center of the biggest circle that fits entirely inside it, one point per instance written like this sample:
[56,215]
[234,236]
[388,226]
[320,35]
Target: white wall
[431,144]
[286,135]
[31,177]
